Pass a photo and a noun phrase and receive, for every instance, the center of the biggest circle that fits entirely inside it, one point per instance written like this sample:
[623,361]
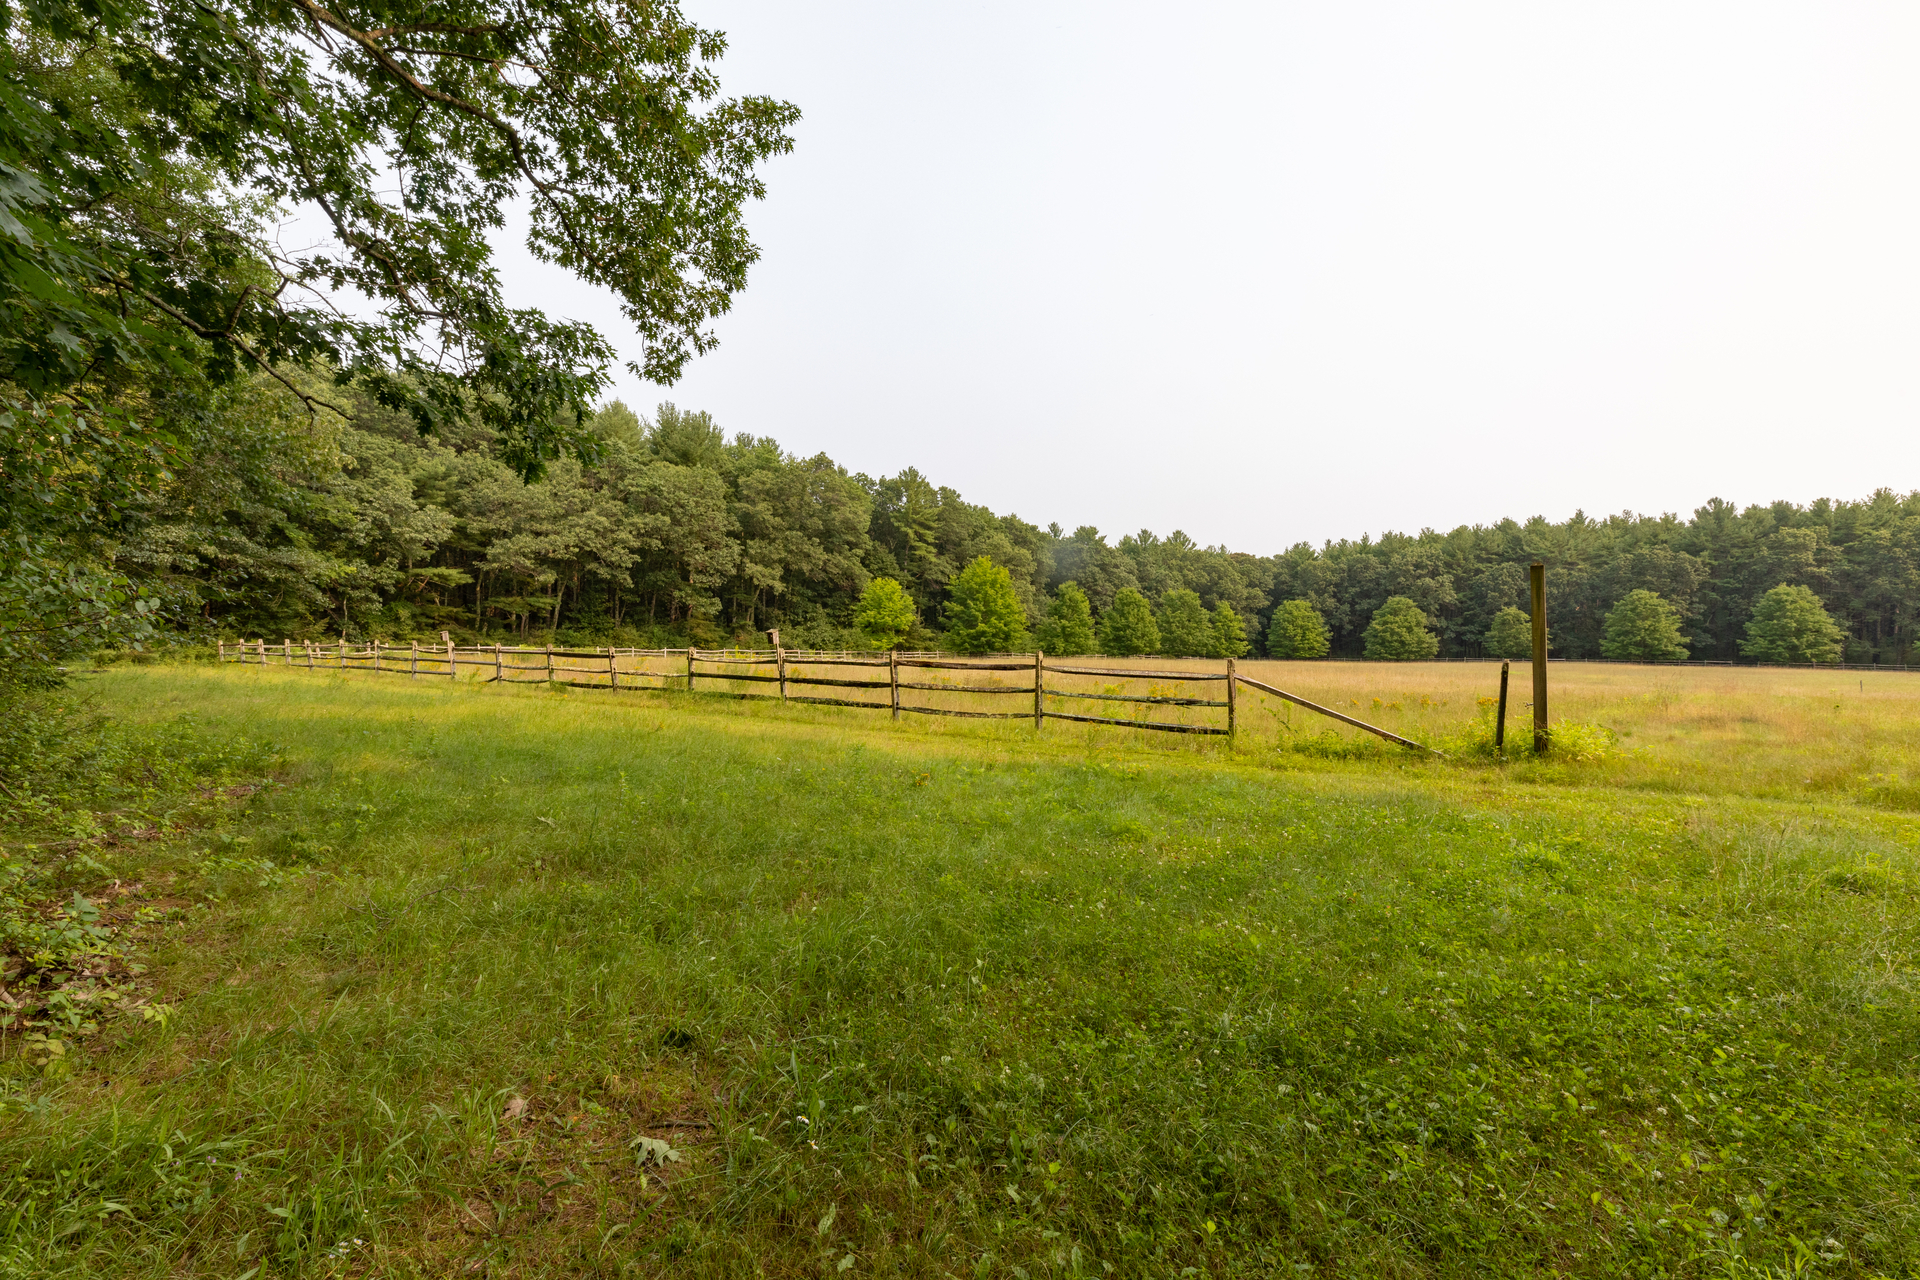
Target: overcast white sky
[1272,272]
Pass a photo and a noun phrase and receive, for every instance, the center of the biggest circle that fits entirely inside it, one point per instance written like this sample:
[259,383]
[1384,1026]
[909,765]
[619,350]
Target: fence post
[1039,709]
[689,668]
[1500,717]
[893,679]
[497,674]
[309,645]
[223,649]
[1537,575]
[286,651]
[780,662]
[1232,680]
[453,670]
[549,662]
[613,668]
[413,659]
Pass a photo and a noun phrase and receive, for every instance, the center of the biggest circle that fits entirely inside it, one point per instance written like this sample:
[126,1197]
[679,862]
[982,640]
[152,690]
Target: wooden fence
[1058,690]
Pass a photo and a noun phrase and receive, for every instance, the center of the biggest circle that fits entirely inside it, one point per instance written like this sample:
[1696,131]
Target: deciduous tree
[1297,631]
[885,612]
[1789,624]
[1642,626]
[1068,627]
[1398,632]
[1128,627]
[983,611]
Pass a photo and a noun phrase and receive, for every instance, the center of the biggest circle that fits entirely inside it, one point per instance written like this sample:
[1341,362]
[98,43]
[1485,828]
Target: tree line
[673,531]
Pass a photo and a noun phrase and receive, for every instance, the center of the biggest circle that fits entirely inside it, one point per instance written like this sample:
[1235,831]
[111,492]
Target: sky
[1271,273]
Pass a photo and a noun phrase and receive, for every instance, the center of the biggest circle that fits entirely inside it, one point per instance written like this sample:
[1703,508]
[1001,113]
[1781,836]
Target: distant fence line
[616,668]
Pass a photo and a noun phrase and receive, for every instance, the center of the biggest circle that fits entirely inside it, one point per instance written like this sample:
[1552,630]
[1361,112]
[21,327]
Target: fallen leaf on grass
[516,1108]
[655,1150]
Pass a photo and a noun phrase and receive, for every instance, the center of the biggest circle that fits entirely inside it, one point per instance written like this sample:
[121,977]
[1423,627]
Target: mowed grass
[940,998]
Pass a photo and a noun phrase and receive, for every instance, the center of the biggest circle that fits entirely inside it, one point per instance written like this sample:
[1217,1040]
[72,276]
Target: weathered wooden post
[453,671]
[413,659]
[286,651]
[613,668]
[1232,707]
[1538,578]
[780,662]
[1039,707]
[893,679]
[223,649]
[549,662]
[689,668]
[309,645]
[496,662]
[1500,717]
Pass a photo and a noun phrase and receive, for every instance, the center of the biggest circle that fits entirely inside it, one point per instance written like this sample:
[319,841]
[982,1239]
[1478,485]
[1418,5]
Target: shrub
[1185,629]
[1068,626]
[885,613]
[1229,633]
[1398,632]
[1789,624]
[1298,631]
[1128,627]
[1511,635]
[1643,626]
[984,614]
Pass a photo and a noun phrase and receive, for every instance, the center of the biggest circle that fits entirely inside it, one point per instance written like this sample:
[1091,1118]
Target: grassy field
[516,982]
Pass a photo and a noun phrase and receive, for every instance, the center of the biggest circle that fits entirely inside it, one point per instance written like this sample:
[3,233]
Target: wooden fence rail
[604,669]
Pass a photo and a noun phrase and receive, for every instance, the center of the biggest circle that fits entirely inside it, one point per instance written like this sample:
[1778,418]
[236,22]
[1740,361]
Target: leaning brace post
[780,661]
[1039,708]
[1232,680]
[1538,576]
[1500,716]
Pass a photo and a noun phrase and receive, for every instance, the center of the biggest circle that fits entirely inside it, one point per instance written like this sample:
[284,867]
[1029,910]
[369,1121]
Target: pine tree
[983,612]
[1298,631]
[1789,624]
[1398,632]
[1128,627]
[1642,626]
[1185,629]
[1229,633]
[1068,626]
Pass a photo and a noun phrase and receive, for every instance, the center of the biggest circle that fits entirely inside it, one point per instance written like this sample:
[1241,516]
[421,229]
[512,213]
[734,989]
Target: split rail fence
[1058,690]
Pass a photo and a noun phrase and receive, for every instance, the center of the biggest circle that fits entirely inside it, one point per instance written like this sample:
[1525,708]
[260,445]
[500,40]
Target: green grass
[939,999]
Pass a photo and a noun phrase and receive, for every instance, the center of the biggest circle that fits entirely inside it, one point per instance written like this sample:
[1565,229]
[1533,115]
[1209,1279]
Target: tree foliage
[1185,629]
[1790,624]
[1127,628]
[983,610]
[1067,629]
[1642,626]
[1297,631]
[1398,632]
[1511,635]
[1229,633]
[885,613]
